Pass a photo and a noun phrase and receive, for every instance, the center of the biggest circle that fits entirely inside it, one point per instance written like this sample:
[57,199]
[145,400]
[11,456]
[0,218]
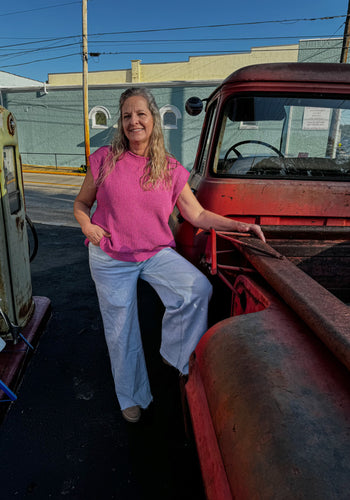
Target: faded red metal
[216,483]
[279,201]
[268,388]
[280,419]
[327,316]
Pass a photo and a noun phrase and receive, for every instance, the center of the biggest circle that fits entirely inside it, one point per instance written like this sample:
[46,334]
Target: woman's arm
[193,212]
[82,206]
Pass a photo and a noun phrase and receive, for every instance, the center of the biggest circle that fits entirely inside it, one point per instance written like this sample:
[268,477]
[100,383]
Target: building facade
[50,115]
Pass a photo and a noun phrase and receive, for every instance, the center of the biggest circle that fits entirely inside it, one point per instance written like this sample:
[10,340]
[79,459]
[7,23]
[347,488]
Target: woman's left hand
[242,227]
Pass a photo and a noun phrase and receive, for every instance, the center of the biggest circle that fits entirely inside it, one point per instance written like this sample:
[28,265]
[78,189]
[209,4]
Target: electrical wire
[218,52]
[41,60]
[12,54]
[190,51]
[159,52]
[325,18]
[323,50]
[38,41]
[209,40]
[185,40]
[38,8]
[181,28]
[195,40]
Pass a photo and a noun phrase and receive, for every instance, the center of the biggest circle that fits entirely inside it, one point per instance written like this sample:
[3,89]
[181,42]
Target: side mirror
[194,106]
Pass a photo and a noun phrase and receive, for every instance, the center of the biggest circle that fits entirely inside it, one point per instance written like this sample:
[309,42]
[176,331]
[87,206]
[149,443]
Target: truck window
[284,137]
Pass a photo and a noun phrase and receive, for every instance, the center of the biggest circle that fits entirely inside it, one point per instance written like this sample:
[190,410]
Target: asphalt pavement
[65,437]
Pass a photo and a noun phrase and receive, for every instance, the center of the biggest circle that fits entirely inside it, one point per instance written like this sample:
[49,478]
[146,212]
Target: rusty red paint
[282,202]
[316,76]
[215,479]
[327,316]
[280,420]
[273,379]
[251,425]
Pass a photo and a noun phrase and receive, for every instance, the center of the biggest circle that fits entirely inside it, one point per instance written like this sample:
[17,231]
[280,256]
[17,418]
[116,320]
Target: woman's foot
[166,362]
[132,414]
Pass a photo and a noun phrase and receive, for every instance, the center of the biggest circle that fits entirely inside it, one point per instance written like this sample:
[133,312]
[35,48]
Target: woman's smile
[137,123]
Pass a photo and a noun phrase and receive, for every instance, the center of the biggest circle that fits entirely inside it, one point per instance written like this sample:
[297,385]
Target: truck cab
[268,389]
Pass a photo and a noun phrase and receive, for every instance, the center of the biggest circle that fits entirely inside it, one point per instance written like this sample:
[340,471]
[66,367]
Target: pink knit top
[136,219]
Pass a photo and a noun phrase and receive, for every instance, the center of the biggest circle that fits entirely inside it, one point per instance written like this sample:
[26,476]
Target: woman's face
[137,121]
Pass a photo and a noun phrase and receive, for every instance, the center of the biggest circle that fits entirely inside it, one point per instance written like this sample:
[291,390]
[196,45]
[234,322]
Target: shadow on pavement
[65,437]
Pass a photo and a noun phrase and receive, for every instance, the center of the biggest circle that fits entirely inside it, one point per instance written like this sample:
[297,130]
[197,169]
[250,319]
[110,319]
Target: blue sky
[41,37]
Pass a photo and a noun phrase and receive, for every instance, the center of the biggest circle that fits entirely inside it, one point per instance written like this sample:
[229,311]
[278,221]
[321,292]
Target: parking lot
[64,436]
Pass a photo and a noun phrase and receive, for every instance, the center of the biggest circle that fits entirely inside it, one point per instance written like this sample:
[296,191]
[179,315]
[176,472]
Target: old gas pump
[19,310]
[15,279]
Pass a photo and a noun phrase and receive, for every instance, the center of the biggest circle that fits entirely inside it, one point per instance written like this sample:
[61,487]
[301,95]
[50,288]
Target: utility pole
[335,122]
[346,38]
[85,85]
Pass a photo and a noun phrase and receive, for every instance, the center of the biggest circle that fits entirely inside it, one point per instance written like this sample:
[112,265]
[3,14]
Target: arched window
[99,116]
[169,115]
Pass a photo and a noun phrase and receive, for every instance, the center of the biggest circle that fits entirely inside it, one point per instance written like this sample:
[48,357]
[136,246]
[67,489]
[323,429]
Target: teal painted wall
[320,50]
[51,126]
[51,131]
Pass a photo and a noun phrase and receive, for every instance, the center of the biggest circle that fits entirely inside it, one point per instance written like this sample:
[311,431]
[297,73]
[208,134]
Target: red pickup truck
[268,390]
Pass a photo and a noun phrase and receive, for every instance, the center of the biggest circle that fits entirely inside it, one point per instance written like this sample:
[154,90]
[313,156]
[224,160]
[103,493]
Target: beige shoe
[166,362]
[132,414]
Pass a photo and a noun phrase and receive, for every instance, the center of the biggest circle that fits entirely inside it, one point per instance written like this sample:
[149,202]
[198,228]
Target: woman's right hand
[95,233]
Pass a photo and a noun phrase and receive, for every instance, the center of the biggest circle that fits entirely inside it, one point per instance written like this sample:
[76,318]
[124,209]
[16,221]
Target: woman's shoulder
[173,162]
[100,154]
[175,165]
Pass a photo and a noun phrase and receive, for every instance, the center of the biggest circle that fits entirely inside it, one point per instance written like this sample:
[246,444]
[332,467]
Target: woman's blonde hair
[157,168]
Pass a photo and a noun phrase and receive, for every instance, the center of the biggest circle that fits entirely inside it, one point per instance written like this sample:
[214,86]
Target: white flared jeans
[185,293]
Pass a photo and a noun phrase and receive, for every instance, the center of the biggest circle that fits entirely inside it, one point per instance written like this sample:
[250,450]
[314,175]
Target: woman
[136,184]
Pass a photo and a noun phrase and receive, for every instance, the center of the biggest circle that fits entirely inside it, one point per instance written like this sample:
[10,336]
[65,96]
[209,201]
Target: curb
[30,169]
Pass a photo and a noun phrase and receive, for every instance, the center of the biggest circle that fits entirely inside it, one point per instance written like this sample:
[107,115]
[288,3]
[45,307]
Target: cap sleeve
[97,159]
[180,177]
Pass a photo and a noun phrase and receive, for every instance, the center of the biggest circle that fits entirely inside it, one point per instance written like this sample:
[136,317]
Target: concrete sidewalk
[64,436]
[49,169]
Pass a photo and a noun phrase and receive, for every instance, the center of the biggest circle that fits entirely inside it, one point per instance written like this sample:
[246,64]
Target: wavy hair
[156,170]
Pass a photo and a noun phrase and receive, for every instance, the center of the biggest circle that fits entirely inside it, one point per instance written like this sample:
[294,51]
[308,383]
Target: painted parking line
[52,184]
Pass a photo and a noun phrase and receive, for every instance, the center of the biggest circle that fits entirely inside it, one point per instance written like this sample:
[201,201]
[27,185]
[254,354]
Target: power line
[178,40]
[39,41]
[168,41]
[37,8]
[26,52]
[188,52]
[217,52]
[42,60]
[179,28]
[323,50]
[325,18]
[167,29]
[208,40]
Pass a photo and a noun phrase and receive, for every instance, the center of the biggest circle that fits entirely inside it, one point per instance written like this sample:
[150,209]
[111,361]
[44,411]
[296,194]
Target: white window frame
[169,108]
[93,113]
[249,125]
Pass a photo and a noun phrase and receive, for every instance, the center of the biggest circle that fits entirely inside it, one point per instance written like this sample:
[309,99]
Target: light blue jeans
[185,293]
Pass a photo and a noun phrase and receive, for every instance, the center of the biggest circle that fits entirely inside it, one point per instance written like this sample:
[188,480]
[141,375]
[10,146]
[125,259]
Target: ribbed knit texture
[136,219]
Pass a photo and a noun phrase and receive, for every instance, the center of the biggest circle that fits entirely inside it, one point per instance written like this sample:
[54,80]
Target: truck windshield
[284,137]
